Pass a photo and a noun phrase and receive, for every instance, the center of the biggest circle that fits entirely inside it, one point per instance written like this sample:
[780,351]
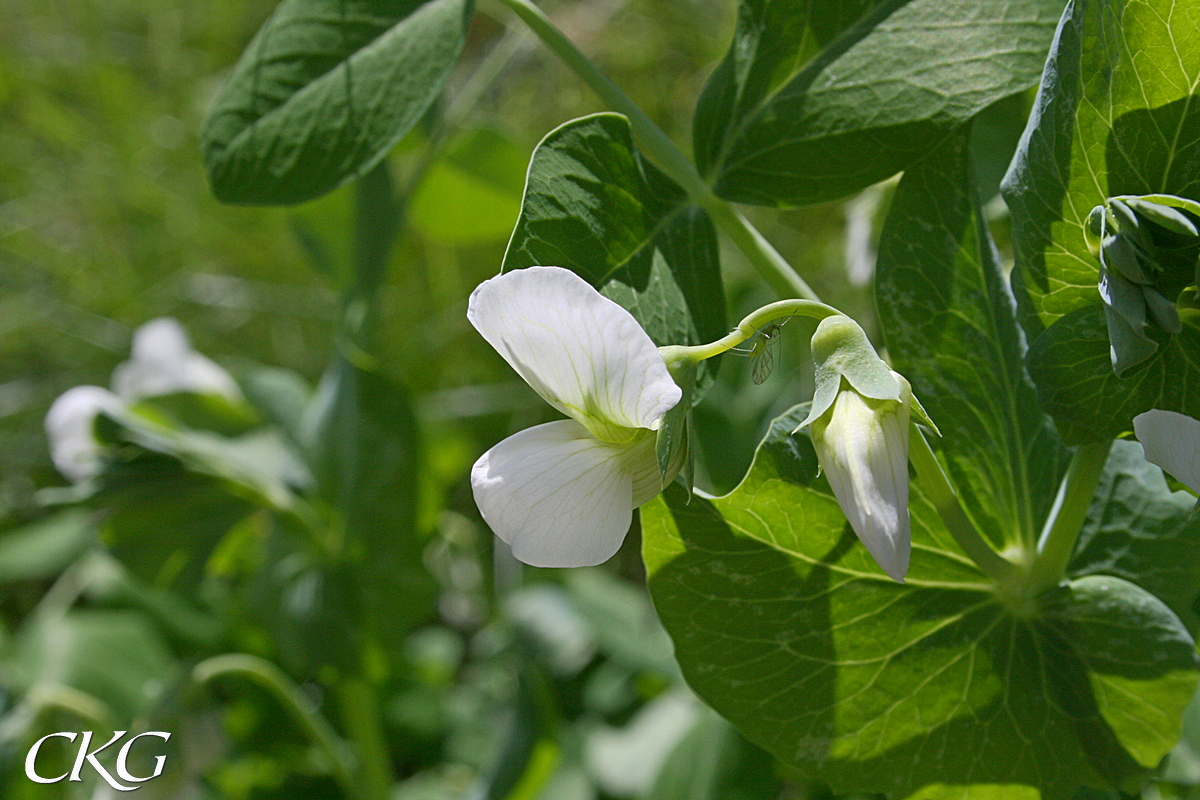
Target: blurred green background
[106,220]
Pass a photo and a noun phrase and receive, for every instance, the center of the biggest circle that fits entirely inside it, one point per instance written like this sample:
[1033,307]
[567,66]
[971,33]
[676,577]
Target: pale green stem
[751,325]
[273,679]
[773,268]
[361,717]
[937,488]
[1066,517]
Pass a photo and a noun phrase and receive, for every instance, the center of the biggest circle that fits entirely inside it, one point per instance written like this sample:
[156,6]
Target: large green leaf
[595,206]
[1139,530]
[1116,114]
[816,100]
[935,688]
[324,90]
[951,329]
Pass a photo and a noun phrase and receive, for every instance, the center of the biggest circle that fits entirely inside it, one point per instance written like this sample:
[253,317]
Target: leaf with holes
[937,688]
[1117,114]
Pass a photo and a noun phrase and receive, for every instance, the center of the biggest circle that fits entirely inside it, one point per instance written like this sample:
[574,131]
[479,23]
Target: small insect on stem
[762,351]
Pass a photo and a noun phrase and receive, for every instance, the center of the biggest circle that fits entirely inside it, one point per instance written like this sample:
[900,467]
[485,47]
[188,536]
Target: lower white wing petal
[558,496]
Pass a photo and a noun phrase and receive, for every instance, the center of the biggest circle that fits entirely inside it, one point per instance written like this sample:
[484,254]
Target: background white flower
[162,362]
[562,494]
[1172,441]
[73,446]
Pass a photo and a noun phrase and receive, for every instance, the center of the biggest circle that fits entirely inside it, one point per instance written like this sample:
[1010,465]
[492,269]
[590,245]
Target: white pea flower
[1172,441]
[562,494]
[162,362]
[859,426]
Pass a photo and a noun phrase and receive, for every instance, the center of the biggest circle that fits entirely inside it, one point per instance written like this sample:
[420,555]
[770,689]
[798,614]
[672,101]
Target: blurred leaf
[995,134]
[44,548]
[950,324]
[815,101]
[364,448]
[1139,530]
[164,524]
[324,90]
[1183,765]
[563,640]
[115,656]
[376,225]
[526,760]
[625,761]
[281,396]
[714,762]
[784,624]
[259,464]
[625,626]
[595,206]
[1115,115]
[309,608]
[472,194]
[106,583]
[202,411]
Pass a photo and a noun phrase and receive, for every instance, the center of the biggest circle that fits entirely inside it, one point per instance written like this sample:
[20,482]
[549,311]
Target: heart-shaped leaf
[936,688]
[324,90]
[595,206]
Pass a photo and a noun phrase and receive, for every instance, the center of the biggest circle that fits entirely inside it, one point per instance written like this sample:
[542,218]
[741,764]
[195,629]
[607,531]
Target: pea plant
[968,566]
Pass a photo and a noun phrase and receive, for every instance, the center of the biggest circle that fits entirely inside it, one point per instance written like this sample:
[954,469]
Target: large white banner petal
[583,353]
[557,495]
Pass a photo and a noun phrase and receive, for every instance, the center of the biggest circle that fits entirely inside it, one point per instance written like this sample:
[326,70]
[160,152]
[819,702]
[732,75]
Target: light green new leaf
[950,324]
[818,100]
[930,689]
[324,90]
[1117,114]
[593,205]
[472,194]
